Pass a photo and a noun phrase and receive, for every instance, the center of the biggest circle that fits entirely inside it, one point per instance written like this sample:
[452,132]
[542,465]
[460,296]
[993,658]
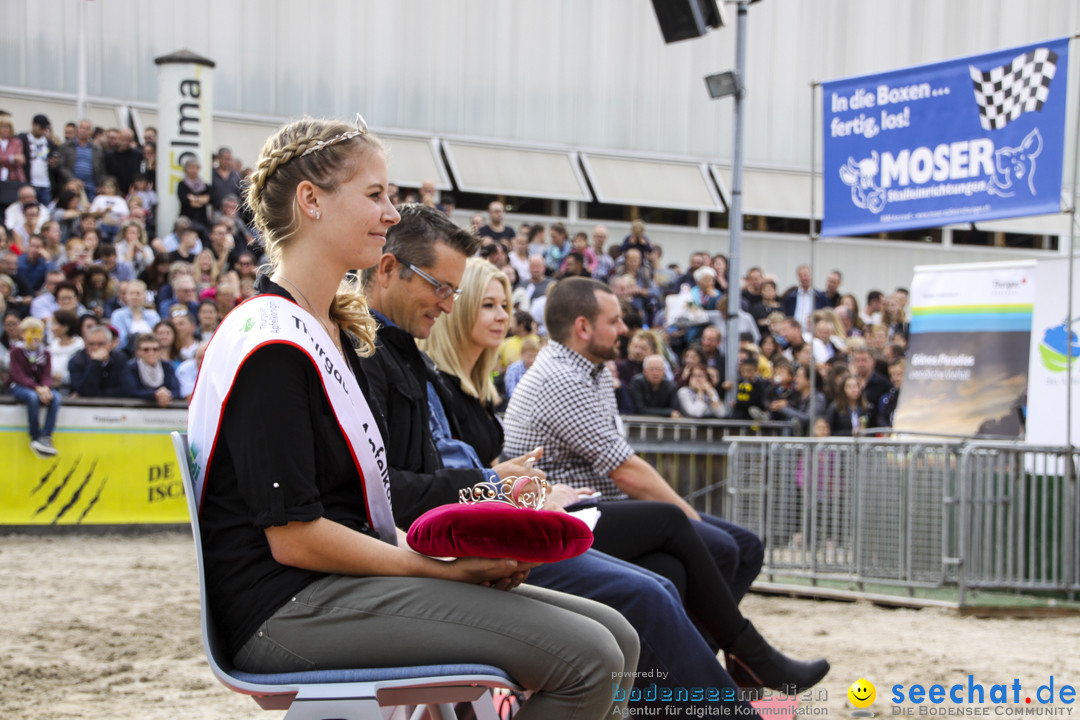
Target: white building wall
[574,73]
[584,73]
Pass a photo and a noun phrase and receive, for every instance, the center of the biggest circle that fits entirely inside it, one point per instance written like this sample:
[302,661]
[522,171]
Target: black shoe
[753,662]
[749,690]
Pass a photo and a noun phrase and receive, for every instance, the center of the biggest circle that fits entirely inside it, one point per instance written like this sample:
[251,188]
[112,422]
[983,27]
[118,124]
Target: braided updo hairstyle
[271,195]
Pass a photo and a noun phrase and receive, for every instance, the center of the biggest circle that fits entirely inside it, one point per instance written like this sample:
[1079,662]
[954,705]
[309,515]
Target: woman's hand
[501,574]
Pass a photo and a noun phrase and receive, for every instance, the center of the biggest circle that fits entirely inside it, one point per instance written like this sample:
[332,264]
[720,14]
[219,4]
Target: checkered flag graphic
[1004,93]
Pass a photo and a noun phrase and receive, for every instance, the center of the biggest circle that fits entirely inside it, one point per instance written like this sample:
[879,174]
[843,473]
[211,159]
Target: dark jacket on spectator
[886,408]
[477,422]
[124,166]
[798,408]
[840,419]
[69,151]
[397,375]
[876,387]
[134,386]
[659,401]
[93,378]
[628,370]
[747,395]
[791,299]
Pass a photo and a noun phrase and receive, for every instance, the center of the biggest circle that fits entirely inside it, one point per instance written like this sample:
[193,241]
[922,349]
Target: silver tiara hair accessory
[520,492]
[361,129]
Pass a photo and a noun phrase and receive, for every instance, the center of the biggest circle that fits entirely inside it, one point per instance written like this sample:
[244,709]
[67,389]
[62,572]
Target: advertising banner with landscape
[967,360]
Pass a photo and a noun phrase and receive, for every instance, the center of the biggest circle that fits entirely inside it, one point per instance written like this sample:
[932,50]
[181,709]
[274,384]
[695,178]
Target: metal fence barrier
[908,513]
[691,454]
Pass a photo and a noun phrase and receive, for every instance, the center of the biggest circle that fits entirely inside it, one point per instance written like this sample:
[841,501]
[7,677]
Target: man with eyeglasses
[148,378]
[416,281]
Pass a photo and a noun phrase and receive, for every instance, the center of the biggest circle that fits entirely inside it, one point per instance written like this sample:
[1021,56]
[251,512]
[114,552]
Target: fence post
[962,525]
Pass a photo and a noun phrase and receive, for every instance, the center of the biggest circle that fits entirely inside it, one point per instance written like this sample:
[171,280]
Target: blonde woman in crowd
[134,317]
[206,270]
[133,246]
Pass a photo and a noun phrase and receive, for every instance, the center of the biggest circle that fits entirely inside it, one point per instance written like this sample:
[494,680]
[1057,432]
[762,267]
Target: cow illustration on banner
[964,140]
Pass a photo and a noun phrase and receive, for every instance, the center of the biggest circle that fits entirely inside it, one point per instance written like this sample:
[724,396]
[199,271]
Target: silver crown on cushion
[519,491]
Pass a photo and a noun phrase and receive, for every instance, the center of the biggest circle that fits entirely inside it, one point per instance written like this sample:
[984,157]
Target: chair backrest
[220,664]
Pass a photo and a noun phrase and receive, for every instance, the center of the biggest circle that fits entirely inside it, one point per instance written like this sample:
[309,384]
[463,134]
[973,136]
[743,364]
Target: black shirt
[507,233]
[277,427]
[476,422]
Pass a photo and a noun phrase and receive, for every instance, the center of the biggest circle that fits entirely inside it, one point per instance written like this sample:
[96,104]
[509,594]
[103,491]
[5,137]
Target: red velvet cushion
[495,530]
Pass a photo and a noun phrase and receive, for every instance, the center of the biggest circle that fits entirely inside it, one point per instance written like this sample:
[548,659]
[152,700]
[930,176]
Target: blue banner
[965,140]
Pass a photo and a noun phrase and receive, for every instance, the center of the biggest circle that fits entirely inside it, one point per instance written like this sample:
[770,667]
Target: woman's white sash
[268,319]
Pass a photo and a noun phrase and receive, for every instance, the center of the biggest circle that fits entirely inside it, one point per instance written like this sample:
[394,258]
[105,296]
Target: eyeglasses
[150,348]
[443,291]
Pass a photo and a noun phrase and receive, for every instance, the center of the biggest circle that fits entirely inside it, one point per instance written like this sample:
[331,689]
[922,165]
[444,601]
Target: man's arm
[639,480]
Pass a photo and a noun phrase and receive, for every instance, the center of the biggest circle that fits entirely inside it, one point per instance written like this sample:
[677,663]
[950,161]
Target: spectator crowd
[803,351]
[126,307]
[97,301]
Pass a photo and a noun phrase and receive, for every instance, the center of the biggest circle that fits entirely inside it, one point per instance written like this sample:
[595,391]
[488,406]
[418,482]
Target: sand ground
[107,627]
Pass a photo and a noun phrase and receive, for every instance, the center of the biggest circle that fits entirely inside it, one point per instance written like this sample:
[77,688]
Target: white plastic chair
[359,694]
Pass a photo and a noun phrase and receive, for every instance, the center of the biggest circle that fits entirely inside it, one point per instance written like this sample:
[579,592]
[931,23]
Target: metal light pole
[80,70]
[735,216]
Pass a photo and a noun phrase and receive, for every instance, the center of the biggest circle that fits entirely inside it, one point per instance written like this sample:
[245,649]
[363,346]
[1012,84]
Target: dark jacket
[840,421]
[749,394]
[68,153]
[397,375]
[93,378]
[476,423]
[791,298]
[886,408]
[124,166]
[134,387]
[659,401]
[798,408]
[877,385]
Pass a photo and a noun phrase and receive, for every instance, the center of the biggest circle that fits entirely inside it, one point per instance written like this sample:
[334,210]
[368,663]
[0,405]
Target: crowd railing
[910,513]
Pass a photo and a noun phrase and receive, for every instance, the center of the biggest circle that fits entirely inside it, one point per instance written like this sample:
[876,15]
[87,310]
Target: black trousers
[661,538]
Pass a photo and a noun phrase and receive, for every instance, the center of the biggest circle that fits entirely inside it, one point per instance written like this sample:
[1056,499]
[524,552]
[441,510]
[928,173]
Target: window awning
[776,193]
[502,170]
[1057,224]
[652,183]
[414,160]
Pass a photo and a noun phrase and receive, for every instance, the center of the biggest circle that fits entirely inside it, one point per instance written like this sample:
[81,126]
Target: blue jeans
[44,194]
[30,398]
[737,551]
[670,643]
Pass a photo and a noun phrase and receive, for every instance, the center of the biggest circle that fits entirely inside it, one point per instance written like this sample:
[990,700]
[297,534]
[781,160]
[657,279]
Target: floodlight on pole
[723,84]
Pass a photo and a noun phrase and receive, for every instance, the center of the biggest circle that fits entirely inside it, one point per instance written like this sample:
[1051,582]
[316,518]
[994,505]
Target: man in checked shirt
[566,403]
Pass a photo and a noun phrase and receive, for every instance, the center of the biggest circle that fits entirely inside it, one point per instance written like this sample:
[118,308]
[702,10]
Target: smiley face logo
[862,693]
